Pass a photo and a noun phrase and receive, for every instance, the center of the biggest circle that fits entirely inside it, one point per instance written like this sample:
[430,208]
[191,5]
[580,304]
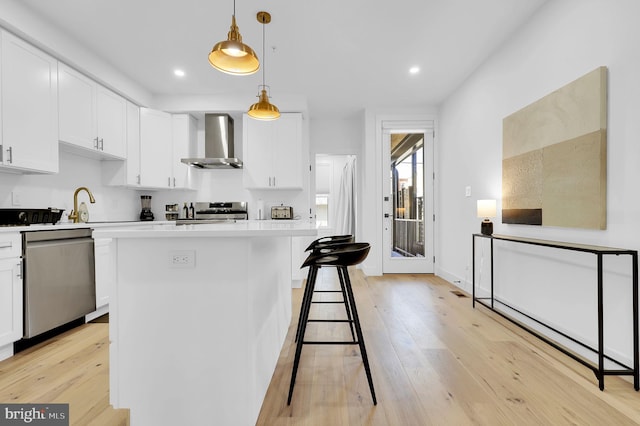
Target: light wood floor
[70,368]
[435,361]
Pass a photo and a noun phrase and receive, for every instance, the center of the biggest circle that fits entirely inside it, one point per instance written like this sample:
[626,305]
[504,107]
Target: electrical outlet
[467,191]
[182,259]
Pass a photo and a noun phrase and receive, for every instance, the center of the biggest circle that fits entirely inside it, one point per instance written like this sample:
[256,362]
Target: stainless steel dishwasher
[59,278]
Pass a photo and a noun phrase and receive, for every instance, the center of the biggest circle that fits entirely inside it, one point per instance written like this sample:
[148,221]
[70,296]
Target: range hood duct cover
[218,144]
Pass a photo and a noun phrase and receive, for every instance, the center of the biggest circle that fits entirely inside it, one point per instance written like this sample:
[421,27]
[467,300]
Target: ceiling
[341,55]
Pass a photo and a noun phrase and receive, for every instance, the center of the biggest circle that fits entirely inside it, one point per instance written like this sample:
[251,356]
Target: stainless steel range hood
[218,144]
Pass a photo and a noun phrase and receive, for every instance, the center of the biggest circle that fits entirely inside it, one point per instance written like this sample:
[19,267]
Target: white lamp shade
[486,208]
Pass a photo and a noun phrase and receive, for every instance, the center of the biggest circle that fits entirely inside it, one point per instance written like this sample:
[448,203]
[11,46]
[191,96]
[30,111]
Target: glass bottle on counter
[192,213]
[185,211]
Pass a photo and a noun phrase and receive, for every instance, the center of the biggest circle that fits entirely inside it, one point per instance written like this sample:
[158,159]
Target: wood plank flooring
[435,361]
[70,368]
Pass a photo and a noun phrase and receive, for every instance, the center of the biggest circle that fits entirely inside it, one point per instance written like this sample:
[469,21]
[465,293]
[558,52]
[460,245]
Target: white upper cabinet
[272,152]
[126,173]
[28,108]
[155,149]
[184,128]
[92,119]
[112,122]
[164,140]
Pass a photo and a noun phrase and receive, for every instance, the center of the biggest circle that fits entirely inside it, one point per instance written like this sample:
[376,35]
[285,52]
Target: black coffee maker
[146,213]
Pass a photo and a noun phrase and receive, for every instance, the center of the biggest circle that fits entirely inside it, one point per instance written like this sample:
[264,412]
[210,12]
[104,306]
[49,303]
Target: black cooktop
[23,217]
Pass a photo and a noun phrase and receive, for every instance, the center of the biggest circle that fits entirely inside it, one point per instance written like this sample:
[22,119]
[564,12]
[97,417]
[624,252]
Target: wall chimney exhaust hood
[218,144]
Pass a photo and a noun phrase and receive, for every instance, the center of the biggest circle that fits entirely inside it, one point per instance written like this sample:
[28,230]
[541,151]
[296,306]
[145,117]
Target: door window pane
[407,174]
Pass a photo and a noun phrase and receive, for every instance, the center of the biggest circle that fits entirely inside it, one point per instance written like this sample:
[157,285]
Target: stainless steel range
[215,212]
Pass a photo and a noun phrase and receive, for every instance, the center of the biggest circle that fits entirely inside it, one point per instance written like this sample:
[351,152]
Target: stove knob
[23,218]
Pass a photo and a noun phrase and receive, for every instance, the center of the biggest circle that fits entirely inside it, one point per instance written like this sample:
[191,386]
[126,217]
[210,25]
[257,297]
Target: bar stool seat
[341,256]
[317,246]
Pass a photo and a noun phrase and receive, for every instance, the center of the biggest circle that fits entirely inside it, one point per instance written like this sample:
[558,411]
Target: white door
[408,245]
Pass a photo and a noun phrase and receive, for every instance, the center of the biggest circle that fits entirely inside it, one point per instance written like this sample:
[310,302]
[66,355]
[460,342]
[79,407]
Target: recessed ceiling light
[414,70]
[178,73]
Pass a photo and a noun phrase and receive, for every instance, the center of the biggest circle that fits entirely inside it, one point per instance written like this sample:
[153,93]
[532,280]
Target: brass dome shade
[232,56]
[263,109]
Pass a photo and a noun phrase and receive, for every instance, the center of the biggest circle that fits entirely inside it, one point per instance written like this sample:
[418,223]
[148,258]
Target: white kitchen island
[198,317]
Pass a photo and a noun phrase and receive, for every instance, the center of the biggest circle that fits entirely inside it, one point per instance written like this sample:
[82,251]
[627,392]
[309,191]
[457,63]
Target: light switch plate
[15,198]
[467,191]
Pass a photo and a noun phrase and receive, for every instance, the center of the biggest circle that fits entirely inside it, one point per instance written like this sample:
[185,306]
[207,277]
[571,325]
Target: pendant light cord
[264,58]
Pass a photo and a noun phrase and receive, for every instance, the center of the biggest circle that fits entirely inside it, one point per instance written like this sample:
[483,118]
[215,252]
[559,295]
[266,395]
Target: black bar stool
[340,255]
[316,247]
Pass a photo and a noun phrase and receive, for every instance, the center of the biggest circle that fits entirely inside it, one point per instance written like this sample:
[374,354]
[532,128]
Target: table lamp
[486,210]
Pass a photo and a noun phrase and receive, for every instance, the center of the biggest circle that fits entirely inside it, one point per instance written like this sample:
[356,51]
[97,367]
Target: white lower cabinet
[10,293]
[105,256]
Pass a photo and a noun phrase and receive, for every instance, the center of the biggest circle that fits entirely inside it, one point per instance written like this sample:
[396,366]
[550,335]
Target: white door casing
[392,264]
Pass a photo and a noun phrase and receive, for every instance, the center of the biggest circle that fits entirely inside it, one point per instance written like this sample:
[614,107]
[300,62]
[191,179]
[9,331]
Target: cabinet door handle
[274,181]
[169,181]
[101,144]
[138,179]
[19,273]
[174,182]
[6,244]
[95,143]
[10,151]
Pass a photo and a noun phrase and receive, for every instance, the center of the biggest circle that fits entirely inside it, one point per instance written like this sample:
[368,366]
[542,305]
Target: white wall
[336,136]
[564,40]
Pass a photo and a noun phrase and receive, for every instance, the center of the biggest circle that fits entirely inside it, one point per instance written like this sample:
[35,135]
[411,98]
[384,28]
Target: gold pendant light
[232,56]
[263,109]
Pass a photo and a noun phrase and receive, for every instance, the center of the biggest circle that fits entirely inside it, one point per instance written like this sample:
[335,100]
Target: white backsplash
[56,190]
[115,203]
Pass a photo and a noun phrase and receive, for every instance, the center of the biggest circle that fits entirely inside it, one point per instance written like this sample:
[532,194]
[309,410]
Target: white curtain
[345,207]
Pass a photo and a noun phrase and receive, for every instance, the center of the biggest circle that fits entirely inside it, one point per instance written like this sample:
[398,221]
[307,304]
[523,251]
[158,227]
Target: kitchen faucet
[74,213]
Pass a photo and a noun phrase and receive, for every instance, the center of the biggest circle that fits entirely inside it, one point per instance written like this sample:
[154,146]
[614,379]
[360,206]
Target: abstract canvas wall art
[554,162]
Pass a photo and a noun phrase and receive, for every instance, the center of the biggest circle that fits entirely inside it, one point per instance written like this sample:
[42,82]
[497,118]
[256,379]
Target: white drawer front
[10,245]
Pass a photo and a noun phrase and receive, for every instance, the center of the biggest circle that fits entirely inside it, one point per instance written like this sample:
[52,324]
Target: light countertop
[93,225]
[243,228]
